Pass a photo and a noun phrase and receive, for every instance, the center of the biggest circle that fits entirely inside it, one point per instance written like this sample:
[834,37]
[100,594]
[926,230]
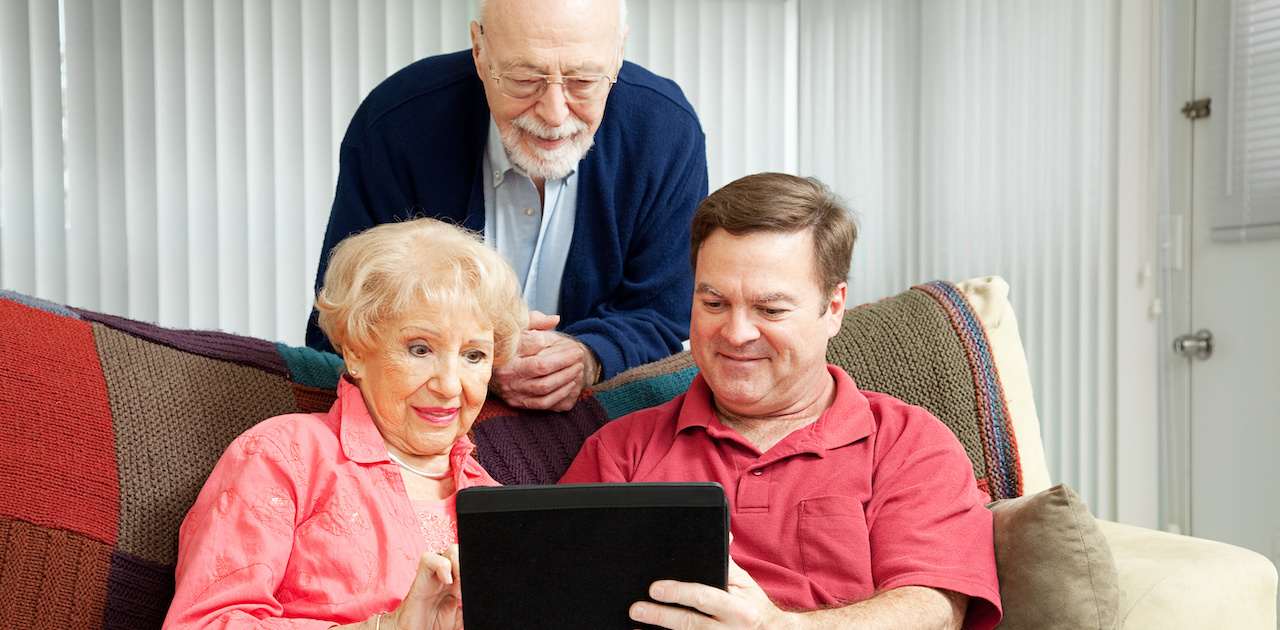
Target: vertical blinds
[174,161]
[187,176]
[975,138]
[735,61]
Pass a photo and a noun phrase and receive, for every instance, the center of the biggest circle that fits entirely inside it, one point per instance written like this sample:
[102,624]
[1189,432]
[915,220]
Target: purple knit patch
[214,344]
[138,593]
[535,447]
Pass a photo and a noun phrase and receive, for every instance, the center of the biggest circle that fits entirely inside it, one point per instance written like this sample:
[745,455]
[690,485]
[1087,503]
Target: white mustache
[530,123]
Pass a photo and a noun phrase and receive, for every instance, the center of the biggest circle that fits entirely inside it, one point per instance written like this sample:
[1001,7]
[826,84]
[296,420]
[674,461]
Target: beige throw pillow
[1054,564]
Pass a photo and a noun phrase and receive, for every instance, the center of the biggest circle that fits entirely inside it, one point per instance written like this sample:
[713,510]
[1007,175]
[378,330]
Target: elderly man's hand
[744,606]
[549,371]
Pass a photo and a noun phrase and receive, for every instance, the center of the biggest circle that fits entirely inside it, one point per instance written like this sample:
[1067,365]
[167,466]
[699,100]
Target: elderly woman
[312,520]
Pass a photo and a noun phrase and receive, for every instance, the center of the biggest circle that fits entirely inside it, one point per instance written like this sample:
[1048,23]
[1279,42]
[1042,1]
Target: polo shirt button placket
[753,492]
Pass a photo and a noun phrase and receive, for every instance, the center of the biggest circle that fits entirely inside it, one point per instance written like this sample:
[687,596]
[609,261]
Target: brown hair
[376,275]
[777,202]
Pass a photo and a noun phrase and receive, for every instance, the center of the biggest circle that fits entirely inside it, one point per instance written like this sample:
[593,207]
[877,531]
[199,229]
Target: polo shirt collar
[847,421]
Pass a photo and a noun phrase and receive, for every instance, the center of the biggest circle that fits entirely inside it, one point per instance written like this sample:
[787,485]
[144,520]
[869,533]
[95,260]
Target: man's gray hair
[622,13]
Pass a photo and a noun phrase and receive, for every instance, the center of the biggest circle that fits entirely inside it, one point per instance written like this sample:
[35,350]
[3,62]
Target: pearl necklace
[418,471]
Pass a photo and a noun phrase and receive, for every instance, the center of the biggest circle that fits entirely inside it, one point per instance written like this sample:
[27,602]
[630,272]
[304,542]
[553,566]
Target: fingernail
[639,612]
[656,590]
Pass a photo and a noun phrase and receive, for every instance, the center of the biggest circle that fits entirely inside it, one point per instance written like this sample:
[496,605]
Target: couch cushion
[1054,564]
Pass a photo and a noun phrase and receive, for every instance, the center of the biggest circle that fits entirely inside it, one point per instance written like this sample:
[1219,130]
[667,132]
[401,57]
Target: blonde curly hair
[376,275]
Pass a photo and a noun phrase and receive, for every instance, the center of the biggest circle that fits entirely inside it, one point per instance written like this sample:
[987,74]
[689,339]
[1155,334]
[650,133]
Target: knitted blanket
[109,427]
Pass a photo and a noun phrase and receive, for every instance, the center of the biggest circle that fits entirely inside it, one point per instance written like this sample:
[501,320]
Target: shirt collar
[846,421]
[499,162]
[362,442]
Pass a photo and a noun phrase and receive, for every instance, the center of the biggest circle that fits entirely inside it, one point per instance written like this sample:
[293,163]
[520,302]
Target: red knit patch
[52,392]
[313,399]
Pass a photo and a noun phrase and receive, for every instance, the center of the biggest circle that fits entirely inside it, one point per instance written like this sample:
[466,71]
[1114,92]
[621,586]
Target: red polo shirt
[874,495]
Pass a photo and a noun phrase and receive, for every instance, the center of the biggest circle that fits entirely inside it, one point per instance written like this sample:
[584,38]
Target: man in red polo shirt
[848,508]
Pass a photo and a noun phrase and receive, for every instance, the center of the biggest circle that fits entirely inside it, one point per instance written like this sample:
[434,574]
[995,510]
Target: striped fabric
[999,446]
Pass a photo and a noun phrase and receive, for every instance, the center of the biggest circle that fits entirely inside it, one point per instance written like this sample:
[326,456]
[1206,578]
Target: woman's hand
[434,601]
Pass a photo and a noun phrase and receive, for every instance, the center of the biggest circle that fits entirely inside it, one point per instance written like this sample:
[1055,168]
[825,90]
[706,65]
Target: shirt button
[528,212]
[757,472]
[497,176]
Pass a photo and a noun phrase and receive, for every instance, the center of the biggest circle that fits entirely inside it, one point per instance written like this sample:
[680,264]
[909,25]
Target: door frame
[1176,195]
[1138,103]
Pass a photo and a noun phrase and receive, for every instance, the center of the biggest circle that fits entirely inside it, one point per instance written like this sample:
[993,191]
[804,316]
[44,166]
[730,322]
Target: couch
[108,427]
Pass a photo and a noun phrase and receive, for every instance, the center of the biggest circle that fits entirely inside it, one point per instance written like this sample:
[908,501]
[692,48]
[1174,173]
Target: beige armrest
[1171,581]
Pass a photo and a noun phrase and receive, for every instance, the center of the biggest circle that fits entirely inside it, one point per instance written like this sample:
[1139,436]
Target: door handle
[1198,345]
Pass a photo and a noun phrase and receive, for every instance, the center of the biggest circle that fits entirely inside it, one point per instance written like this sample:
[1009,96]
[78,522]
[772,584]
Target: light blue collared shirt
[533,236]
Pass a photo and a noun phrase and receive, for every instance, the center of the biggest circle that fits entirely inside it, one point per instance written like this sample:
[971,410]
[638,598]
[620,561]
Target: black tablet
[578,556]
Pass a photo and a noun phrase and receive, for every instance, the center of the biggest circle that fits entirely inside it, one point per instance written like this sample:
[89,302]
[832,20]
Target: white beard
[539,163]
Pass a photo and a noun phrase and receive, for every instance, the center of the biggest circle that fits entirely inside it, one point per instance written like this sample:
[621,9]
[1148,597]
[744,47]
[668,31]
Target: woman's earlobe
[353,362]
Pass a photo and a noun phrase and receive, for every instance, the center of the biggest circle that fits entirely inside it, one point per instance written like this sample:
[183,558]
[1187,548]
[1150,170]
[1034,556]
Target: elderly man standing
[590,204]
[848,508]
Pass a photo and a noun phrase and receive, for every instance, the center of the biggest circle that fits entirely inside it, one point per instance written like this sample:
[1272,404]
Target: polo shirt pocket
[834,545]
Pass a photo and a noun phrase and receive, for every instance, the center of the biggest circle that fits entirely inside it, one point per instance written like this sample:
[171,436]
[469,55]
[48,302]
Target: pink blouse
[305,523]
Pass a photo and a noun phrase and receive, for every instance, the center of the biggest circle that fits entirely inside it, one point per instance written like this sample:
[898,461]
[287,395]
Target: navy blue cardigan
[415,147]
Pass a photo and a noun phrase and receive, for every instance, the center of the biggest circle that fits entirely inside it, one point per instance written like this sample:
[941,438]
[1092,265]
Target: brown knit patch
[174,414]
[51,578]
[906,346]
[313,399]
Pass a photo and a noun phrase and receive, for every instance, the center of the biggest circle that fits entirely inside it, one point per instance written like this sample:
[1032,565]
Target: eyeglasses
[578,88]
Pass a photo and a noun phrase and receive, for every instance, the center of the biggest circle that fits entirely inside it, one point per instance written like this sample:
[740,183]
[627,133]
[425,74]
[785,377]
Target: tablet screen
[578,556]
